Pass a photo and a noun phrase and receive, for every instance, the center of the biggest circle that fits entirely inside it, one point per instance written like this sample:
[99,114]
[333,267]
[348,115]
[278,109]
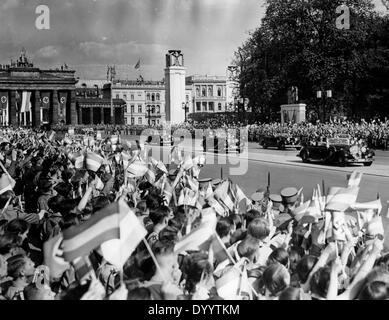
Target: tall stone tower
[175,87]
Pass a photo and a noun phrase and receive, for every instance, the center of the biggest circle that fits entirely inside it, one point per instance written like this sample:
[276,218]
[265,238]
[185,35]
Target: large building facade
[209,93]
[93,104]
[144,101]
[31,96]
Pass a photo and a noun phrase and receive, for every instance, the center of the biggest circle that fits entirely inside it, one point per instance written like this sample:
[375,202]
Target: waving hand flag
[117,251]
[79,240]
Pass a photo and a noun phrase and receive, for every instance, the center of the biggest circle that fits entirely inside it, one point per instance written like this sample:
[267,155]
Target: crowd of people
[375,132]
[178,236]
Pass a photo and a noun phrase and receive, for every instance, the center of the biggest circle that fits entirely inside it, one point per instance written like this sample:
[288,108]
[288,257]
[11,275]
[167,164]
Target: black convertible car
[340,151]
[280,142]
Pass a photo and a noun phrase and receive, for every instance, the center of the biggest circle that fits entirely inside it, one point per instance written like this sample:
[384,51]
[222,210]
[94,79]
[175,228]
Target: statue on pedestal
[292,95]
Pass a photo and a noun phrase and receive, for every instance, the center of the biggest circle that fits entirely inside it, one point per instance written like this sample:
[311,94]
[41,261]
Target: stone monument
[293,112]
[175,87]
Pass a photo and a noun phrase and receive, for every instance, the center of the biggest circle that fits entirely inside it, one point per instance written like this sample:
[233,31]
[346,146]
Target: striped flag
[126,159]
[26,103]
[191,183]
[80,240]
[93,161]
[340,199]
[226,195]
[150,175]
[312,213]
[83,269]
[187,197]
[200,236]
[6,183]
[53,256]
[117,251]
[220,208]
[354,179]
[137,169]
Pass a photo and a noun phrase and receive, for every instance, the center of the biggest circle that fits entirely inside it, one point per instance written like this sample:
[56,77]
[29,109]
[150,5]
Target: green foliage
[298,44]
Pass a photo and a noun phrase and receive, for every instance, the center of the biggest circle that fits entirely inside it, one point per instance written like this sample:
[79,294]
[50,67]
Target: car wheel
[264,145]
[342,160]
[281,146]
[368,164]
[304,157]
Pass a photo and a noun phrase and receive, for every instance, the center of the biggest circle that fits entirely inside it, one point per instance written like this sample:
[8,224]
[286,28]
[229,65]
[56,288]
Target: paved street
[288,170]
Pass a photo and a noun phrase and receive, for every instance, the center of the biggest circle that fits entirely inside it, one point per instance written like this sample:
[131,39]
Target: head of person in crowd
[167,260]
[197,268]
[64,189]
[295,255]
[10,244]
[142,209]
[18,227]
[139,294]
[160,218]
[99,203]
[319,283]
[259,229]
[169,234]
[374,290]
[248,248]
[304,267]
[5,197]
[20,267]
[290,293]
[3,267]
[224,229]
[279,255]
[33,292]
[251,215]
[276,279]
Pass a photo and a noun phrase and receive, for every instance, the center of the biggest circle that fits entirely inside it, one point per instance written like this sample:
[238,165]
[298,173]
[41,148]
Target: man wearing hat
[215,183]
[203,183]
[289,197]
[257,199]
[277,207]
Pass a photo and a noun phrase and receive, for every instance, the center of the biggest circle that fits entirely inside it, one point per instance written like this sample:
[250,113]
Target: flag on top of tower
[137,66]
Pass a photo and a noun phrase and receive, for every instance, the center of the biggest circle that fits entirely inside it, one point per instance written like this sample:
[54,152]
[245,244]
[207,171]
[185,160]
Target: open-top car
[281,142]
[339,151]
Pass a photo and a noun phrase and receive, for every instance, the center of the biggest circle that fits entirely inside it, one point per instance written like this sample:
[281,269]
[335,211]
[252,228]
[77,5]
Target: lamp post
[323,95]
[185,107]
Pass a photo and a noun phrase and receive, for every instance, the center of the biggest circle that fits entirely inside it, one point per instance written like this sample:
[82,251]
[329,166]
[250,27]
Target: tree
[298,43]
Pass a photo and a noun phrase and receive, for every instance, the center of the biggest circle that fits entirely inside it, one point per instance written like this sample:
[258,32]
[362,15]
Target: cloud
[47,52]
[9,4]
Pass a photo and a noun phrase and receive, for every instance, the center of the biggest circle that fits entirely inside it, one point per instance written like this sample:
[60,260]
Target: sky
[88,35]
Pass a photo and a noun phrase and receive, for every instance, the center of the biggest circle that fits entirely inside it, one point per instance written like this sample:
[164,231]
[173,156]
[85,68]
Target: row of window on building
[140,121]
[207,106]
[149,96]
[207,91]
[153,108]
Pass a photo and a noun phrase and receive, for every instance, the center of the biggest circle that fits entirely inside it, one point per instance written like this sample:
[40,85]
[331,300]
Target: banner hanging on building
[62,98]
[45,100]
[4,100]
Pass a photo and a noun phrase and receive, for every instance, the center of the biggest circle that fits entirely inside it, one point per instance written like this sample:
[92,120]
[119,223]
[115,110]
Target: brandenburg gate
[30,96]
